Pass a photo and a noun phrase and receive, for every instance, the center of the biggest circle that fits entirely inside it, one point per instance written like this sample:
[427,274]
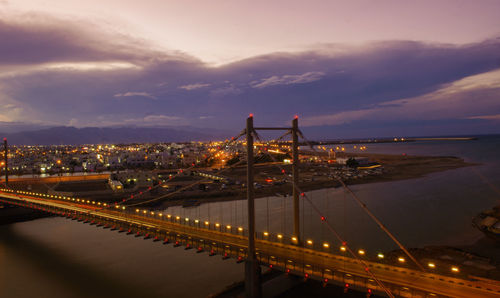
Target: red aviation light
[323,218]
[296,117]
[250,115]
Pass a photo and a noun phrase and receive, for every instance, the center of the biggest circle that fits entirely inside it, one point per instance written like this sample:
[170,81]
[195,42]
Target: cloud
[194,86]
[486,117]
[63,71]
[131,94]
[157,120]
[468,96]
[224,91]
[304,78]
[161,119]
[206,117]
[43,41]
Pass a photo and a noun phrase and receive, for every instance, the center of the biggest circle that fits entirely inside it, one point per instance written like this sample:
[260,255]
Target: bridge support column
[295,174]
[253,288]
[6,161]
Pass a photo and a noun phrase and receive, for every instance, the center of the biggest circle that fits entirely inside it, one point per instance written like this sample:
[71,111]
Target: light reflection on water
[57,257]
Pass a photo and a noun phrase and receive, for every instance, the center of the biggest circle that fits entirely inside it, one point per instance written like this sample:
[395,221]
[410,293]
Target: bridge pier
[253,286]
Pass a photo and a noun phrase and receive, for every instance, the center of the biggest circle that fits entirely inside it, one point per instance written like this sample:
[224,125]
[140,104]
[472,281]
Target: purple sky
[348,68]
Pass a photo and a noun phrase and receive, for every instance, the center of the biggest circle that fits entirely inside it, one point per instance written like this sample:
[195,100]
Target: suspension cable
[337,235]
[372,216]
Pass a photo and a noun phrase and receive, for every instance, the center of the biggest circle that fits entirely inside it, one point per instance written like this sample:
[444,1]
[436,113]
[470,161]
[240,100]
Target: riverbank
[270,181]
[313,177]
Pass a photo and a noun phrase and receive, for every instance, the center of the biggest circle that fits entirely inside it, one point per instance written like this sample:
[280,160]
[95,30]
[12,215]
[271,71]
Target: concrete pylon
[253,287]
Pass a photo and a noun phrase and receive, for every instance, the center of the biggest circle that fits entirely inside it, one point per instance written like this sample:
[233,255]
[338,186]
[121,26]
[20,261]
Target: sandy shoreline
[395,167]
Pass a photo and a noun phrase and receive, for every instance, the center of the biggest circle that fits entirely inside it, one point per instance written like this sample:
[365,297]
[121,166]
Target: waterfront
[64,258]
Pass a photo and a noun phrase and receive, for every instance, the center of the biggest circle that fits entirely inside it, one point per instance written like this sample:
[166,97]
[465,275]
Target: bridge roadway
[334,268]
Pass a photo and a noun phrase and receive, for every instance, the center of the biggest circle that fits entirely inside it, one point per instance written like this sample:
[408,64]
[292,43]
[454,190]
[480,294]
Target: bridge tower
[252,268]
[253,287]
[6,160]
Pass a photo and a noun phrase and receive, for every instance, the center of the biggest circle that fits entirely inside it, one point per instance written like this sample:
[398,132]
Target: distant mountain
[13,127]
[106,135]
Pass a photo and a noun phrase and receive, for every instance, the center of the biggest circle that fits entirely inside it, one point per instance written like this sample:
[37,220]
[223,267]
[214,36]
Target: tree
[352,163]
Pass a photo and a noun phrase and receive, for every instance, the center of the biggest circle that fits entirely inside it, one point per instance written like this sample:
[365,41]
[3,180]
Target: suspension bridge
[331,263]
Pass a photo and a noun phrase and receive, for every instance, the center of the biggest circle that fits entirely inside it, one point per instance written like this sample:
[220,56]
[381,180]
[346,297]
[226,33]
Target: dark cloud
[321,82]
[34,39]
